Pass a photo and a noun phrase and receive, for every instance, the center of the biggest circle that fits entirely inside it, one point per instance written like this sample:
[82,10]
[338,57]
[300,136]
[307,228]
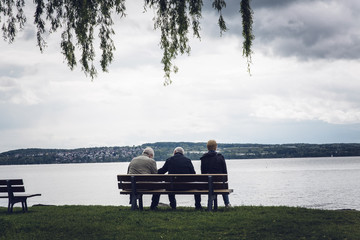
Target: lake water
[324,183]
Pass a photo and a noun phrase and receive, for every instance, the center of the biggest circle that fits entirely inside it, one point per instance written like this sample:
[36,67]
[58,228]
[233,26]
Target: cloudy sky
[304,86]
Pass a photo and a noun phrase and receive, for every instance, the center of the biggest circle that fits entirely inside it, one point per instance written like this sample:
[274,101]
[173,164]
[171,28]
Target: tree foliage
[80,19]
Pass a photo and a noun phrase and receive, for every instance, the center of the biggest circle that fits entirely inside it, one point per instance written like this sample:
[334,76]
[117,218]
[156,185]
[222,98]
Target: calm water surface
[325,183]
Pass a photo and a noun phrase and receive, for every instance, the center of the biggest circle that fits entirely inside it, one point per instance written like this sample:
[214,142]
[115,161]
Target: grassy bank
[106,222]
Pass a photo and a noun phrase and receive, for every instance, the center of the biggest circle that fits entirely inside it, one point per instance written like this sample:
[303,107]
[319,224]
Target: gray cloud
[308,29]
[10,71]
[320,30]
[29,33]
[256,4]
[233,7]
[15,116]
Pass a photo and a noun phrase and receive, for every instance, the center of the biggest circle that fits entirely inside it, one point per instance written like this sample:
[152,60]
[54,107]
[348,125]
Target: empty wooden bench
[205,184]
[11,186]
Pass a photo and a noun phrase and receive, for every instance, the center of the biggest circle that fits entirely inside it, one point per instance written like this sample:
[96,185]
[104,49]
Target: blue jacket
[213,162]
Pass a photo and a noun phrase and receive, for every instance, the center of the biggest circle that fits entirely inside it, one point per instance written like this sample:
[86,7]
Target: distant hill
[163,150]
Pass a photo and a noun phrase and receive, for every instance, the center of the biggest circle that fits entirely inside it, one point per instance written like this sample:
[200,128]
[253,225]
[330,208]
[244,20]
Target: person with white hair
[177,164]
[143,164]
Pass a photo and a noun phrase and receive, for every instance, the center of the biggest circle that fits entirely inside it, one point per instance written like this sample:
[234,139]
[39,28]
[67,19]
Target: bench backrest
[173,182]
[12,185]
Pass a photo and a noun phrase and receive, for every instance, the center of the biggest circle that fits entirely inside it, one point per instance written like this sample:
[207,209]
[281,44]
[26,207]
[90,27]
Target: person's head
[211,145]
[179,150]
[148,151]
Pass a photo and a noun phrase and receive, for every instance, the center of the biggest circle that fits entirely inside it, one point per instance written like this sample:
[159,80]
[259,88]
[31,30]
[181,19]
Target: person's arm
[191,166]
[224,169]
[203,166]
[165,168]
[153,168]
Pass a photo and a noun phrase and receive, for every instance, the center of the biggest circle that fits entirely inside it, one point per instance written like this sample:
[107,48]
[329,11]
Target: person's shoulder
[135,158]
[205,155]
[219,155]
[188,159]
[148,159]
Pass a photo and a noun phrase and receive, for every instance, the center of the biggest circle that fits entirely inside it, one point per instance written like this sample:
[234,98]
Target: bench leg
[22,200]
[23,206]
[11,207]
[210,202]
[141,202]
[133,202]
[215,203]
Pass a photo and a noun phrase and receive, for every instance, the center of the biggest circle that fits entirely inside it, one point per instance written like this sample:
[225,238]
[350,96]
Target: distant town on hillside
[164,150]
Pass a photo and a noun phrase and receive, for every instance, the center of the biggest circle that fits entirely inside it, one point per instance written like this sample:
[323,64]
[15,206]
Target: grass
[109,222]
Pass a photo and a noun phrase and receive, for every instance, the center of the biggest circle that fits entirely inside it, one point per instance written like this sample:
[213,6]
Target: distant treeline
[163,150]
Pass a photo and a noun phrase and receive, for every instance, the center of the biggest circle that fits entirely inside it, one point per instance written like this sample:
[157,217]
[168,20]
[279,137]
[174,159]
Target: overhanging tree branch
[247,22]
[78,20]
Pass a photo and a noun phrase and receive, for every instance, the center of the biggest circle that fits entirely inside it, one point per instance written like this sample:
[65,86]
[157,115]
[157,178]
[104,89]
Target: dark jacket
[177,164]
[213,162]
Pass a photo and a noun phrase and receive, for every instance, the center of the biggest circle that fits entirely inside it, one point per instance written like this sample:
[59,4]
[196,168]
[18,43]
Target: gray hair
[149,152]
[179,150]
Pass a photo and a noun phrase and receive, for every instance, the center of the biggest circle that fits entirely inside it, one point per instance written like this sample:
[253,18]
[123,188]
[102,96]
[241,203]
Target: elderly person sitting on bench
[177,164]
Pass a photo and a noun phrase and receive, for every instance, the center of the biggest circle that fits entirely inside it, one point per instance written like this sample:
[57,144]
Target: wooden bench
[11,186]
[205,184]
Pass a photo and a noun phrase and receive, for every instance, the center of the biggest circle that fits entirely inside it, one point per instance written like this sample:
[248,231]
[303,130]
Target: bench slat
[12,182]
[174,177]
[219,191]
[14,189]
[173,186]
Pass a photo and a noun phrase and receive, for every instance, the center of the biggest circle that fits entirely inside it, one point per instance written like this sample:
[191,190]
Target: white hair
[179,150]
[149,152]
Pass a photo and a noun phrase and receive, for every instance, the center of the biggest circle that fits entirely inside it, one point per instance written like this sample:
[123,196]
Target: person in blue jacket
[213,162]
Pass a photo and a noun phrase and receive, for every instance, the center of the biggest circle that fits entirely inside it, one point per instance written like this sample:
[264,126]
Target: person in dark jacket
[177,164]
[213,162]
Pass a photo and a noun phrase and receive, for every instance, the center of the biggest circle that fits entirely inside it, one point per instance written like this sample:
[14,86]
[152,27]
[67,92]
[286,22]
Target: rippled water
[326,183]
